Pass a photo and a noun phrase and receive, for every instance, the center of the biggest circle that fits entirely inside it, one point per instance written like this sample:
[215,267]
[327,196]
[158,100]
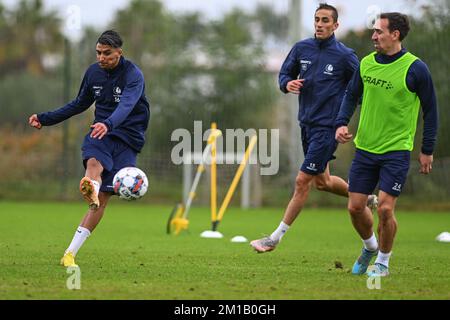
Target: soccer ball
[130,183]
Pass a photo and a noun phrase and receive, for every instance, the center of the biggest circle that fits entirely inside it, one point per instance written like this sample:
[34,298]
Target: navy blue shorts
[389,170]
[112,153]
[319,144]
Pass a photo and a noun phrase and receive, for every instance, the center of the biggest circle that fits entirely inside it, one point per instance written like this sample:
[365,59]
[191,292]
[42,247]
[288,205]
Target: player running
[317,70]
[393,84]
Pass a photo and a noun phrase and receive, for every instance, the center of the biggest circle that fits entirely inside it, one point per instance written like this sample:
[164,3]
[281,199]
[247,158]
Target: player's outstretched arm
[34,121]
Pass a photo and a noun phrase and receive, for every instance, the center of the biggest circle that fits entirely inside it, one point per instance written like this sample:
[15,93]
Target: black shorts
[389,170]
[112,153]
[319,145]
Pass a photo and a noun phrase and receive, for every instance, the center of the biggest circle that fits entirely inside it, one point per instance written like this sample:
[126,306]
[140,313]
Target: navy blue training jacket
[120,102]
[418,80]
[327,66]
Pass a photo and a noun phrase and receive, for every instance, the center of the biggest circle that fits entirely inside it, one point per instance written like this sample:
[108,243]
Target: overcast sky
[98,13]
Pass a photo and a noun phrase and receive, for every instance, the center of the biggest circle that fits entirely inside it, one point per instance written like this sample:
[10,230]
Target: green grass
[129,256]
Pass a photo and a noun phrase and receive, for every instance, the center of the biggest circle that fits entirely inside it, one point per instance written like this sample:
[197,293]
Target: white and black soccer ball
[130,183]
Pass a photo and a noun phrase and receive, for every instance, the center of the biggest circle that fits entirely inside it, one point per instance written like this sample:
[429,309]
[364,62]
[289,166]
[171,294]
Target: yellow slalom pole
[212,141]
[235,181]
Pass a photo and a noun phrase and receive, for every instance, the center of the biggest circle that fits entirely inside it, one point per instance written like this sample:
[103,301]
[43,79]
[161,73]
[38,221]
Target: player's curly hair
[397,21]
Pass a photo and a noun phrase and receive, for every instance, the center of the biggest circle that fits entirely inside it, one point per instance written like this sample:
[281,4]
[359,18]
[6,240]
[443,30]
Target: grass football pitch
[129,256]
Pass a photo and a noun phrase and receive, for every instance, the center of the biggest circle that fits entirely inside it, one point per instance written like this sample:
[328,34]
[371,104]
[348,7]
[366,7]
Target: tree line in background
[195,69]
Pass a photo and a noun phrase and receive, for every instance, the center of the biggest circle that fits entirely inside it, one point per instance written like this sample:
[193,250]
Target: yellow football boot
[68,260]
[89,194]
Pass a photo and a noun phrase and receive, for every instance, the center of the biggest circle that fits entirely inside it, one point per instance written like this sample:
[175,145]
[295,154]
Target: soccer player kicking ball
[393,84]
[122,113]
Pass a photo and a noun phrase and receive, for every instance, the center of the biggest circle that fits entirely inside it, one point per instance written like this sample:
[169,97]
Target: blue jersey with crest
[327,66]
[120,102]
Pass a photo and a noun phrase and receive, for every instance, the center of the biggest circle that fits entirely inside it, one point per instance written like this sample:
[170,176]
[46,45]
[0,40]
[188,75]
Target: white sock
[96,185]
[383,258]
[78,239]
[279,232]
[371,244]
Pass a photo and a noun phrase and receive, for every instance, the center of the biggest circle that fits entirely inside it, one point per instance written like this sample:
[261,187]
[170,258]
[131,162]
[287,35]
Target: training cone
[211,234]
[443,237]
[239,239]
